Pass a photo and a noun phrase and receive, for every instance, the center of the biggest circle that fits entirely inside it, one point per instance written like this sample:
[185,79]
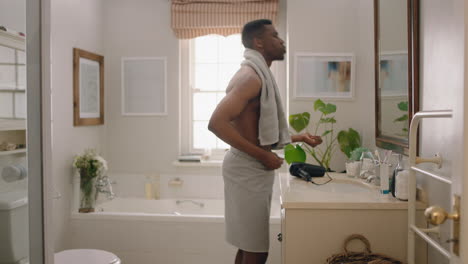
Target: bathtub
[170,230]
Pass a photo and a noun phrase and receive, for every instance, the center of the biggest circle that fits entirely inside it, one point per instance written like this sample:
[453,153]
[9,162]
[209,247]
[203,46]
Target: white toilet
[14,227]
[88,256]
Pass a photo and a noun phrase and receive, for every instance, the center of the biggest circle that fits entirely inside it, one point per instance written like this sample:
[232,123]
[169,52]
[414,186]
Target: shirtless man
[248,168]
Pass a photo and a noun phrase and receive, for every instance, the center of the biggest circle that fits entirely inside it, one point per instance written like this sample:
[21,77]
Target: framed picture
[88,88]
[394,73]
[144,86]
[326,76]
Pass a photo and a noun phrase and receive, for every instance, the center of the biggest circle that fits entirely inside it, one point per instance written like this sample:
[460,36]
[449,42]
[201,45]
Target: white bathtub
[165,231]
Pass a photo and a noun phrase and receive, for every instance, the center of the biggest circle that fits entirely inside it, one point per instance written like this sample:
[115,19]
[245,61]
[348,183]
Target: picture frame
[144,86]
[393,73]
[324,75]
[88,88]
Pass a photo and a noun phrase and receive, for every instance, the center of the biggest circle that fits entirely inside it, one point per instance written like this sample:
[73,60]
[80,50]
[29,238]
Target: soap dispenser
[398,168]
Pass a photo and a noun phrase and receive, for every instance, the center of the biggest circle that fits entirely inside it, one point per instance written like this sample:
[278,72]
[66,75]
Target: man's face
[273,45]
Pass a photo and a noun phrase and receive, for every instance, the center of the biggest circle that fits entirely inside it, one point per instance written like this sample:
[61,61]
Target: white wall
[442,84]
[142,28]
[73,24]
[12,14]
[338,26]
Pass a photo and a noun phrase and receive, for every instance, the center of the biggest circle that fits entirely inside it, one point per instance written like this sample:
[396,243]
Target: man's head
[262,36]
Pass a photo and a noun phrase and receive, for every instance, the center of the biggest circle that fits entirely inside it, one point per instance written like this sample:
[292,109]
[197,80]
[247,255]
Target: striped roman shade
[194,18]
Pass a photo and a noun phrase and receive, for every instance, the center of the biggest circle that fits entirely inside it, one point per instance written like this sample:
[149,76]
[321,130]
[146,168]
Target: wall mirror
[396,71]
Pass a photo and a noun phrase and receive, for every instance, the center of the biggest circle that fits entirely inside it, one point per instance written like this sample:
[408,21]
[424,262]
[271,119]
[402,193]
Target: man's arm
[244,90]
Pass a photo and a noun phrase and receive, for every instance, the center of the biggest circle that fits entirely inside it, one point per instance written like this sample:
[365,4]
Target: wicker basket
[366,257]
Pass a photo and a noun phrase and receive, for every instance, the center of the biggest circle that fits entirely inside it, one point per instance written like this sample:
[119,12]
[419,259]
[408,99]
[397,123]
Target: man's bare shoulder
[245,78]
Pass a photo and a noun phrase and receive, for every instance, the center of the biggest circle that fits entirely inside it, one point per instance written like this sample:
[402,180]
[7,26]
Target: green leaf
[349,140]
[318,104]
[403,106]
[357,153]
[331,120]
[294,154]
[328,109]
[401,118]
[326,132]
[299,121]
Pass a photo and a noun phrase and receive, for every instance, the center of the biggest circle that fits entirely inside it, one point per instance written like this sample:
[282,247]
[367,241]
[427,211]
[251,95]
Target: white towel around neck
[272,125]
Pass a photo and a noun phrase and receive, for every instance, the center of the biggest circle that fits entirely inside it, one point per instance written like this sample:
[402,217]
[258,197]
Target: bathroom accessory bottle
[398,168]
[401,185]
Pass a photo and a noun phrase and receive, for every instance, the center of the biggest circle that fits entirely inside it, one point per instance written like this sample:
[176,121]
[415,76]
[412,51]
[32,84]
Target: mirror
[14,183]
[396,71]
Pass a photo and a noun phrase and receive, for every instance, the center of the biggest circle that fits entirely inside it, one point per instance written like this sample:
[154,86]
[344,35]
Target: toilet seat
[88,256]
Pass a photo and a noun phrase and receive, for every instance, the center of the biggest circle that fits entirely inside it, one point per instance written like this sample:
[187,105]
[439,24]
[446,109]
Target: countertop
[342,192]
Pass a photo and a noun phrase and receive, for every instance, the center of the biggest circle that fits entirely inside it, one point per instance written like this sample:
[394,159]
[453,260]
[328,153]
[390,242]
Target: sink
[340,186]
[337,185]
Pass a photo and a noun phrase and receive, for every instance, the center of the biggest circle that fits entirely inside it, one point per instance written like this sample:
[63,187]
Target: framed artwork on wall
[144,86]
[324,75]
[88,88]
[393,73]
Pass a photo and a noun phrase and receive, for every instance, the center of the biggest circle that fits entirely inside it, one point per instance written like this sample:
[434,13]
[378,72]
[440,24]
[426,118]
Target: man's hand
[310,140]
[271,161]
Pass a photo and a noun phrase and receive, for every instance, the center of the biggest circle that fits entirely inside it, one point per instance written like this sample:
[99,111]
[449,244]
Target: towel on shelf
[272,125]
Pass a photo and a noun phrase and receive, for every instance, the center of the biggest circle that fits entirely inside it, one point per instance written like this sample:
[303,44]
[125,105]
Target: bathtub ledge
[203,163]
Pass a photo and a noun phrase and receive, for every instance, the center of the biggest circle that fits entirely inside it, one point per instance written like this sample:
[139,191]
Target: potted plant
[90,166]
[348,140]
[403,106]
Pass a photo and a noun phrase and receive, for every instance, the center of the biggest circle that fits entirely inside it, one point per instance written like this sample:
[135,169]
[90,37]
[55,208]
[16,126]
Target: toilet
[88,256]
[14,227]
[14,247]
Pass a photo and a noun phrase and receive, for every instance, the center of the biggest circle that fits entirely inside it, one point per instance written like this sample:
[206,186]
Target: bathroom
[142,150]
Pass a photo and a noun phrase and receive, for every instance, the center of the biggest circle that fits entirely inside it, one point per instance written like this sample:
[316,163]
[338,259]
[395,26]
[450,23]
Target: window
[210,62]
[12,83]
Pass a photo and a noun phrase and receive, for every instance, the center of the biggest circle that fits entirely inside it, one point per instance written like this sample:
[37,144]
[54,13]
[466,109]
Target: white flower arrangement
[90,163]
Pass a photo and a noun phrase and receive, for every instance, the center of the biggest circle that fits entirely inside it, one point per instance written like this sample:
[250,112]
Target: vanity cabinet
[315,220]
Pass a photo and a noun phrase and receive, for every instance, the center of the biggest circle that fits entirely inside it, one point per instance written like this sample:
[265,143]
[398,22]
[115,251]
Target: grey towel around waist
[247,172]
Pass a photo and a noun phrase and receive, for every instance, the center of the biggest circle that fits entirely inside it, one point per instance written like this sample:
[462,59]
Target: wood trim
[398,145]
[77,120]
[376,69]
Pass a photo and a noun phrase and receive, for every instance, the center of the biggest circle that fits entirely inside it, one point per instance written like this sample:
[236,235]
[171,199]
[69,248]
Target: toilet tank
[14,244]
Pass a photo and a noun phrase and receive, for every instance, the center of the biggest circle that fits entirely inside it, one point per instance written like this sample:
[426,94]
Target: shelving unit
[13,128]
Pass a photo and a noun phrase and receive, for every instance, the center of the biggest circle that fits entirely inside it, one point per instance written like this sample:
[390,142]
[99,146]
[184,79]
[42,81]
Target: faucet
[104,185]
[374,179]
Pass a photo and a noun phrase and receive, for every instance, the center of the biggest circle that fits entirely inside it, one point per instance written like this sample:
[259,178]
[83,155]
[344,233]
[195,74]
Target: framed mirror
[396,41]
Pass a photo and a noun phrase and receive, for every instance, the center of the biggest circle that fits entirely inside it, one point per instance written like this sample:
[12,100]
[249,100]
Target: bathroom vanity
[316,219]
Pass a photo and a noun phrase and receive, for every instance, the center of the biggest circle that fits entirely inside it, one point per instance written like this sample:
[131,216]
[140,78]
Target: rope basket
[366,257]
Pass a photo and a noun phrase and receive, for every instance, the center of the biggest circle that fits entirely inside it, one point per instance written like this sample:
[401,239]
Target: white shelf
[11,152]
[12,124]
[12,40]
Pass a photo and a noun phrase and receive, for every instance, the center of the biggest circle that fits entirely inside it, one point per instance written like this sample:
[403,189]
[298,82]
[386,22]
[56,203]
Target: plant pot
[87,193]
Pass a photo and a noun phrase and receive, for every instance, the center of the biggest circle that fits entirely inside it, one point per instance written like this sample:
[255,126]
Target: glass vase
[87,193]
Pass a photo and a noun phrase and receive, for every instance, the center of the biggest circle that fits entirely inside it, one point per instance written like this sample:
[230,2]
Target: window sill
[203,163]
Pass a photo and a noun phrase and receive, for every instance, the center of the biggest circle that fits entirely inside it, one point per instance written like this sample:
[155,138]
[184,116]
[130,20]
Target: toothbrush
[387,154]
[378,155]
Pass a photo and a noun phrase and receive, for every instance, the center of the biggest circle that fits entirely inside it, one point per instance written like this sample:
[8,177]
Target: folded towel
[272,125]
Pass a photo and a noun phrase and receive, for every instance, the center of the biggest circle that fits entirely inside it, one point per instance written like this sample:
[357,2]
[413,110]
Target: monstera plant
[403,106]
[348,140]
